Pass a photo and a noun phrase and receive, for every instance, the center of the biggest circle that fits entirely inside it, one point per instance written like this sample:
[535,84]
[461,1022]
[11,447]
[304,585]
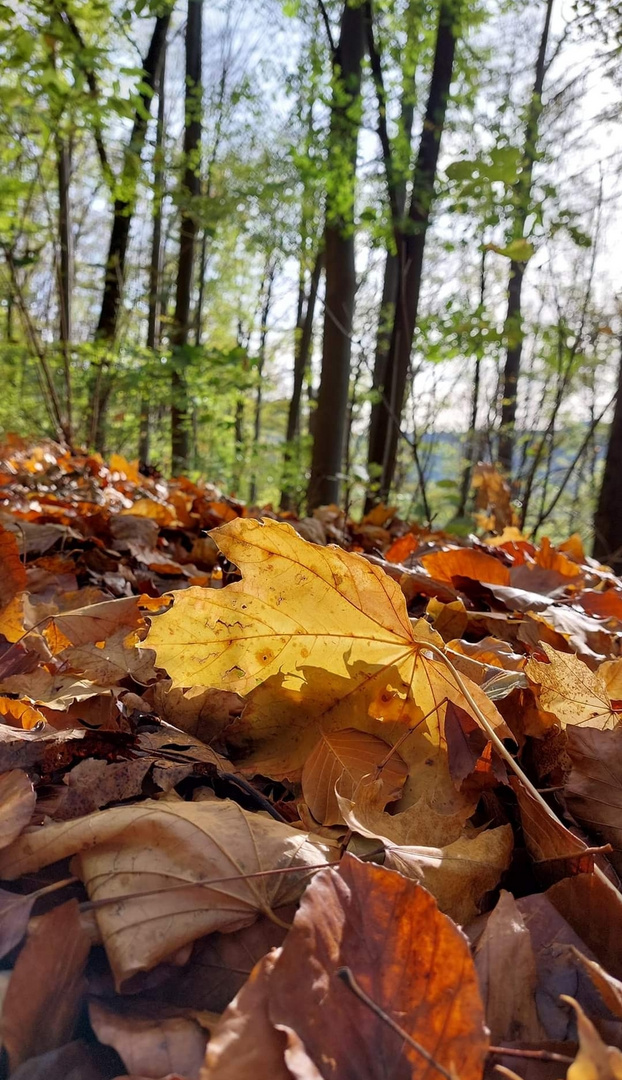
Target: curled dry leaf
[17,802]
[148,861]
[46,987]
[458,874]
[466,563]
[344,758]
[149,1047]
[327,634]
[569,690]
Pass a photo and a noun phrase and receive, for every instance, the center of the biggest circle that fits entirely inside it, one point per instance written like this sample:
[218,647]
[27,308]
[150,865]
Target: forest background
[321,252]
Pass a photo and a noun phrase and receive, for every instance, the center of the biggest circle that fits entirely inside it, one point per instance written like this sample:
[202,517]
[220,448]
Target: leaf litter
[301,798]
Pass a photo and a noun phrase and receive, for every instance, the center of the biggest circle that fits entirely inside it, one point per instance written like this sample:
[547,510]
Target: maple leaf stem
[346,976]
[93,905]
[501,747]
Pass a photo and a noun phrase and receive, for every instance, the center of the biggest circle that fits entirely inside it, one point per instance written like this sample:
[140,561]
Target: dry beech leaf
[458,874]
[322,634]
[17,802]
[345,757]
[593,790]
[408,957]
[555,851]
[46,987]
[160,851]
[149,1047]
[593,908]
[594,1060]
[569,690]
[505,946]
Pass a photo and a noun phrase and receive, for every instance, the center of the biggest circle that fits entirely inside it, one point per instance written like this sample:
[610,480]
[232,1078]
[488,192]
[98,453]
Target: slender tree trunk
[608,516]
[513,320]
[332,405]
[397,180]
[155,264]
[410,237]
[302,356]
[261,361]
[472,448]
[191,188]
[101,381]
[65,269]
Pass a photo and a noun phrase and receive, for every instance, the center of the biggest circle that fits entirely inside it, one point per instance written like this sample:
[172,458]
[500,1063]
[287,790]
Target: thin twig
[346,976]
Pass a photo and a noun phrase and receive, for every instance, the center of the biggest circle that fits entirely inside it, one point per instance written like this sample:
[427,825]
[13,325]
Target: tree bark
[410,237]
[107,326]
[302,356]
[261,361]
[155,264]
[513,320]
[190,189]
[65,269]
[608,516]
[332,406]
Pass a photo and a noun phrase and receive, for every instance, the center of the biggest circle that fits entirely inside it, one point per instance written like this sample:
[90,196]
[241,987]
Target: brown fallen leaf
[220,964]
[17,802]
[504,947]
[244,1042]
[593,790]
[593,908]
[94,783]
[556,852]
[344,758]
[149,1047]
[466,563]
[405,955]
[457,874]
[46,986]
[569,690]
[149,862]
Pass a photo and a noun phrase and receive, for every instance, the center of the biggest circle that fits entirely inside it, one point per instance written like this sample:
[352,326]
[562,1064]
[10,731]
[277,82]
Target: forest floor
[314,799]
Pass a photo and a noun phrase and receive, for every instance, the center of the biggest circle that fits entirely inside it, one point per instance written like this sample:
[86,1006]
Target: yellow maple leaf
[321,636]
[568,689]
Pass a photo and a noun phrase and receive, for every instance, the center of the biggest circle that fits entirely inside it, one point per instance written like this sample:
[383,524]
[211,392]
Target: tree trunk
[410,237]
[302,356]
[65,269]
[261,360]
[398,194]
[101,382]
[191,188]
[332,405]
[608,516]
[513,320]
[472,447]
[155,264]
